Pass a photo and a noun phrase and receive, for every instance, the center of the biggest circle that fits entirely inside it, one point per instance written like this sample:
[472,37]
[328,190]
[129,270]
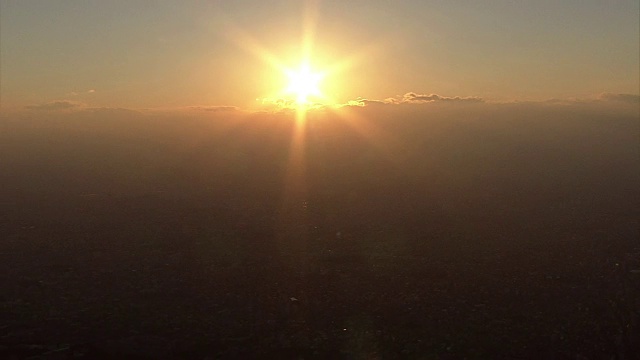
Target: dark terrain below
[461,240]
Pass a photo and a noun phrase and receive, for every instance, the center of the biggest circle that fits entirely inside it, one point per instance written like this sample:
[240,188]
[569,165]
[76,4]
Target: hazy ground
[481,231]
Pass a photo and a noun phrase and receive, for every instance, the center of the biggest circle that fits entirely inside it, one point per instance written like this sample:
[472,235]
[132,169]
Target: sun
[304,84]
[304,77]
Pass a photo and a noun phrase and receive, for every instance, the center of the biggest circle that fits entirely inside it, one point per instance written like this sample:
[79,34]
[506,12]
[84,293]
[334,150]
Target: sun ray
[303,84]
[305,92]
[249,44]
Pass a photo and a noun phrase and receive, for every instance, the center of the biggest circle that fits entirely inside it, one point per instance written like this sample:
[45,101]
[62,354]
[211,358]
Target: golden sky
[170,54]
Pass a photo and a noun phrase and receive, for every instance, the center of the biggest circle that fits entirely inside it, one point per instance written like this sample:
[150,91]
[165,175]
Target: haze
[284,179]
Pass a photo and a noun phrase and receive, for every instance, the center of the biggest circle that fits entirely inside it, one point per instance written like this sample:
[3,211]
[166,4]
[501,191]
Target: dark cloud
[55,105]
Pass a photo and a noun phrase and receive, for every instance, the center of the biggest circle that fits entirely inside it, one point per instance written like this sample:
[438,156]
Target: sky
[314,139]
[171,54]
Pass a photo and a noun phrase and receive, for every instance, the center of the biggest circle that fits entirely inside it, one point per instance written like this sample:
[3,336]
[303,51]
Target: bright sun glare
[303,84]
[300,87]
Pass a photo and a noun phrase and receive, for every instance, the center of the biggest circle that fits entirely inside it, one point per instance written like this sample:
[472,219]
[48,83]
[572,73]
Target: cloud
[447,147]
[55,105]
[91,91]
[367,102]
[287,104]
[412,97]
[627,98]
[279,104]
[214,108]
[604,100]
[110,111]
[565,101]
[416,98]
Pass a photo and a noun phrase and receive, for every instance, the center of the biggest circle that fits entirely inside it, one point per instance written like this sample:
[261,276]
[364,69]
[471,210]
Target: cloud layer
[214,108]
[628,98]
[409,98]
[56,105]
[412,97]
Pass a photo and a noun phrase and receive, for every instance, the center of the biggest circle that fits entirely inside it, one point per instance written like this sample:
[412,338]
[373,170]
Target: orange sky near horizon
[214,53]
